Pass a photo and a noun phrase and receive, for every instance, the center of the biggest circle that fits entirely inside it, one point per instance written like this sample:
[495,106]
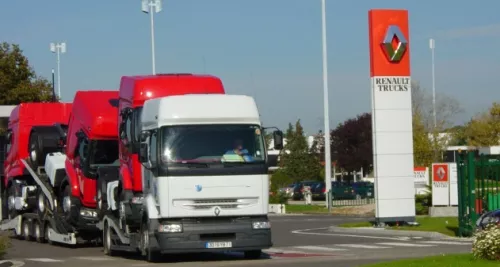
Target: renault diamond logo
[394,54]
[217,211]
[198,187]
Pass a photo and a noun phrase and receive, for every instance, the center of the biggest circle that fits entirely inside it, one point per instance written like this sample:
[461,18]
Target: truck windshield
[104,153]
[212,144]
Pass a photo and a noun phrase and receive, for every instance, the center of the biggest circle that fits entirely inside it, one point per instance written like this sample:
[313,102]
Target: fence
[478,188]
[352,202]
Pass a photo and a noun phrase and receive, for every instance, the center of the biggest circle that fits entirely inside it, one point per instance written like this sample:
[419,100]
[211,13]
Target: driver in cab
[237,154]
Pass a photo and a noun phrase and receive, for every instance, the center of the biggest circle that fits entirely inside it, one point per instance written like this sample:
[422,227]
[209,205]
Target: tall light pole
[328,157]
[151,7]
[432,46]
[58,48]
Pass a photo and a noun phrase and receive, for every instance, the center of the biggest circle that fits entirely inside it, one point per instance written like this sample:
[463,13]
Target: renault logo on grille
[217,211]
[198,187]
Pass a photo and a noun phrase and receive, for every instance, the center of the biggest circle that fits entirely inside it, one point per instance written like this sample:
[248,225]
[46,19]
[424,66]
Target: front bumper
[82,218]
[195,236]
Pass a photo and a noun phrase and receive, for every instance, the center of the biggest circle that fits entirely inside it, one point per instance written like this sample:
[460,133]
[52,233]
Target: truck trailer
[205,180]
[65,183]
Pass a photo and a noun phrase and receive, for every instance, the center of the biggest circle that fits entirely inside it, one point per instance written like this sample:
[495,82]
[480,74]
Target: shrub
[278,198]
[422,204]
[486,244]
[4,245]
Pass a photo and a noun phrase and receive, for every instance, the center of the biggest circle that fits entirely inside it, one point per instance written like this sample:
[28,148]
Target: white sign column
[391,116]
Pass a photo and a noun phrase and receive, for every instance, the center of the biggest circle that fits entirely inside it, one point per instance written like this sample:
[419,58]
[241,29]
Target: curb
[400,233]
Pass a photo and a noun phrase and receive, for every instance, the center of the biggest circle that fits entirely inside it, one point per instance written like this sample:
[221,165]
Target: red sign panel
[440,173]
[389,37]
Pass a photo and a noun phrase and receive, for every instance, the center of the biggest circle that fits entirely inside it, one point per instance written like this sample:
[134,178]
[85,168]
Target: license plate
[218,244]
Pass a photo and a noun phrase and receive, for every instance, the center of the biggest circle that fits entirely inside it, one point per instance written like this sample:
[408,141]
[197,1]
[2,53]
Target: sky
[268,49]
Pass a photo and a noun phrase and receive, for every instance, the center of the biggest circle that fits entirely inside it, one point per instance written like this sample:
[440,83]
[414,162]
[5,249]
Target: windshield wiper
[193,164]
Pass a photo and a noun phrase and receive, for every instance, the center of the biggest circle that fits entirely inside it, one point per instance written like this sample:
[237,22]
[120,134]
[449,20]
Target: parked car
[319,191]
[342,190]
[488,218]
[363,190]
[298,190]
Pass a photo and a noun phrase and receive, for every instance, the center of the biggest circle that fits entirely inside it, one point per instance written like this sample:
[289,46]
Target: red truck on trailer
[134,91]
[27,122]
[64,211]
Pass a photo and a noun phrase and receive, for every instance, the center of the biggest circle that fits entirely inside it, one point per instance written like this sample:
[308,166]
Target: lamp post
[151,7]
[432,45]
[328,160]
[58,48]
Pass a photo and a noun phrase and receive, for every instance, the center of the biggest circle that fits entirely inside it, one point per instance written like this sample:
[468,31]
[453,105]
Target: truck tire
[26,230]
[146,251]
[42,141]
[41,204]
[102,200]
[39,232]
[34,150]
[11,195]
[107,240]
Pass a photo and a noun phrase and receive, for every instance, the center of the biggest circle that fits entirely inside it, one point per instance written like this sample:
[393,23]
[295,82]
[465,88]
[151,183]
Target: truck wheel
[26,230]
[151,255]
[34,150]
[66,202]
[253,254]
[11,198]
[38,232]
[107,240]
[102,203]
[41,202]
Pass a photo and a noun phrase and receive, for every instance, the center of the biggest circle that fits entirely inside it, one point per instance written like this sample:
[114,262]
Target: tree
[447,108]
[18,81]
[423,152]
[352,143]
[427,137]
[484,129]
[296,160]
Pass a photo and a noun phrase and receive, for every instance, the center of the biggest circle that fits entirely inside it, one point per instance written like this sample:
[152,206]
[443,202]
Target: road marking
[446,243]
[319,248]
[97,258]
[304,232]
[404,245]
[44,260]
[360,246]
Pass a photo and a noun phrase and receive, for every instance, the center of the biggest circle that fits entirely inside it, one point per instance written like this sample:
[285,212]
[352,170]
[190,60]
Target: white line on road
[305,232]
[320,248]
[404,245]
[97,258]
[360,246]
[446,243]
[44,260]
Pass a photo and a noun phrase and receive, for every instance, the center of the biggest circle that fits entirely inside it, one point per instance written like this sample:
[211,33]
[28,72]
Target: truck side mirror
[278,139]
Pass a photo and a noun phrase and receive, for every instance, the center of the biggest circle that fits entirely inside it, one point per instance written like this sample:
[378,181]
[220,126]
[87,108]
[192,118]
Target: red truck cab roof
[40,114]
[97,112]
[137,89]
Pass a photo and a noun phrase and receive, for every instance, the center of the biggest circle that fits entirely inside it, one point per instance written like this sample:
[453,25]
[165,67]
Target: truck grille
[223,203]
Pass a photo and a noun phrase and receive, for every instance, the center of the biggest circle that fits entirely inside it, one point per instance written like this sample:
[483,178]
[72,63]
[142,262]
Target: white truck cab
[205,175]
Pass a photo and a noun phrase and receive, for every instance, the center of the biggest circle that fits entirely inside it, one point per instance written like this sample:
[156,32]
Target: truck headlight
[170,228]
[88,213]
[261,225]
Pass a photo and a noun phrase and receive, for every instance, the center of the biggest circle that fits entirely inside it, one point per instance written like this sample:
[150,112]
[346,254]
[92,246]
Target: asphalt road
[298,241]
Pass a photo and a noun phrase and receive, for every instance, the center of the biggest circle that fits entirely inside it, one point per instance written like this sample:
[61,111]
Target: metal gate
[478,188]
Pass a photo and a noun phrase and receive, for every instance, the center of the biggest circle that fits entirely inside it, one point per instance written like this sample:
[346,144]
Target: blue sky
[270,49]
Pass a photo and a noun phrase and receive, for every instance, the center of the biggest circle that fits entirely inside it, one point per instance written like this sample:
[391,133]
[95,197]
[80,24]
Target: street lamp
[432,45]
[328,159]
[58,48]
[151,7]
